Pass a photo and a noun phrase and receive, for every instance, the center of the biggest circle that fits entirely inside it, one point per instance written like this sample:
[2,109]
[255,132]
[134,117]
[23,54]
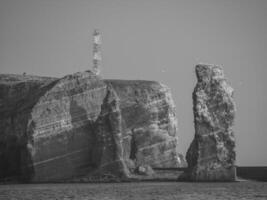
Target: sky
[159,40]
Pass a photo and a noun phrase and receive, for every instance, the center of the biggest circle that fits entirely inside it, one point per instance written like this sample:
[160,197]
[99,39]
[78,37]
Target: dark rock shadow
[78,113]
[16,163]
[78,116]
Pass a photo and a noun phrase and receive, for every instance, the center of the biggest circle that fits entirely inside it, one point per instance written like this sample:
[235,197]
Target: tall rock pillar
[211,155]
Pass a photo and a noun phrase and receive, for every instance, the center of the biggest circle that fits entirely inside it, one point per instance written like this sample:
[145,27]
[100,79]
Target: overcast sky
[158,40]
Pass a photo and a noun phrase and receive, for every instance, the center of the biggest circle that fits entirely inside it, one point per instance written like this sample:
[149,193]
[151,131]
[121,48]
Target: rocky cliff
[59,129]
[211,155]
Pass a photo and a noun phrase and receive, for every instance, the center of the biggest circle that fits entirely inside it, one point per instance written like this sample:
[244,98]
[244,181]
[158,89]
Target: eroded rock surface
[211,155]
[60,129]
[149,124]
[108,150]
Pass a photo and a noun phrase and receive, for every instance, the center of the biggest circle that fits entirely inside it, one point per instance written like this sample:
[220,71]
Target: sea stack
[211,155]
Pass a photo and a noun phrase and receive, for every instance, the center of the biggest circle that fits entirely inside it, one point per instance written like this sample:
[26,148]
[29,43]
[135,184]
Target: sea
[241,190]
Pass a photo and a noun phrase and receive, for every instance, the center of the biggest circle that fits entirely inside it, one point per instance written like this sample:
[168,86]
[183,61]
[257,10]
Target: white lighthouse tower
[97,58]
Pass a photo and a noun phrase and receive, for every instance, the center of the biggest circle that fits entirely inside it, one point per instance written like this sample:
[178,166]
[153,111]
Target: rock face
[211,155]
[149,123]
[108,150]
[60,129]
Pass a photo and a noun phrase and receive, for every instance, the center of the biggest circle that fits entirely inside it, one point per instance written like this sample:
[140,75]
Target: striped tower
[97,52]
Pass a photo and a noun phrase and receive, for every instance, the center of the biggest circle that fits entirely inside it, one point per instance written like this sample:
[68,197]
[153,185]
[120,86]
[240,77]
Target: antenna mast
[97,58]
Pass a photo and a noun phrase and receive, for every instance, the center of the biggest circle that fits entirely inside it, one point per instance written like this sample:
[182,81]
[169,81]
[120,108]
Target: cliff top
[17,78]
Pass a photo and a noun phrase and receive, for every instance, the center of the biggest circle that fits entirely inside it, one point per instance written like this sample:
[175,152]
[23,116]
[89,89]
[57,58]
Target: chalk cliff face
[149,123]
[18,94]
[211,155]
[108,150]
[59,129]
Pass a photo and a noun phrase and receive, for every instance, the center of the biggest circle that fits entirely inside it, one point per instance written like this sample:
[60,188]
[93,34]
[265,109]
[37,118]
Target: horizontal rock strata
[59,129]
[149,123]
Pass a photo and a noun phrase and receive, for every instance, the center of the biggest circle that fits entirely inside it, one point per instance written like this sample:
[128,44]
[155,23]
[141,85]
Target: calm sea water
[141,191]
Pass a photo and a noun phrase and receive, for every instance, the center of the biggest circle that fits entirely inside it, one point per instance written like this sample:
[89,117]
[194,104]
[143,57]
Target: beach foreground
[136,190]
